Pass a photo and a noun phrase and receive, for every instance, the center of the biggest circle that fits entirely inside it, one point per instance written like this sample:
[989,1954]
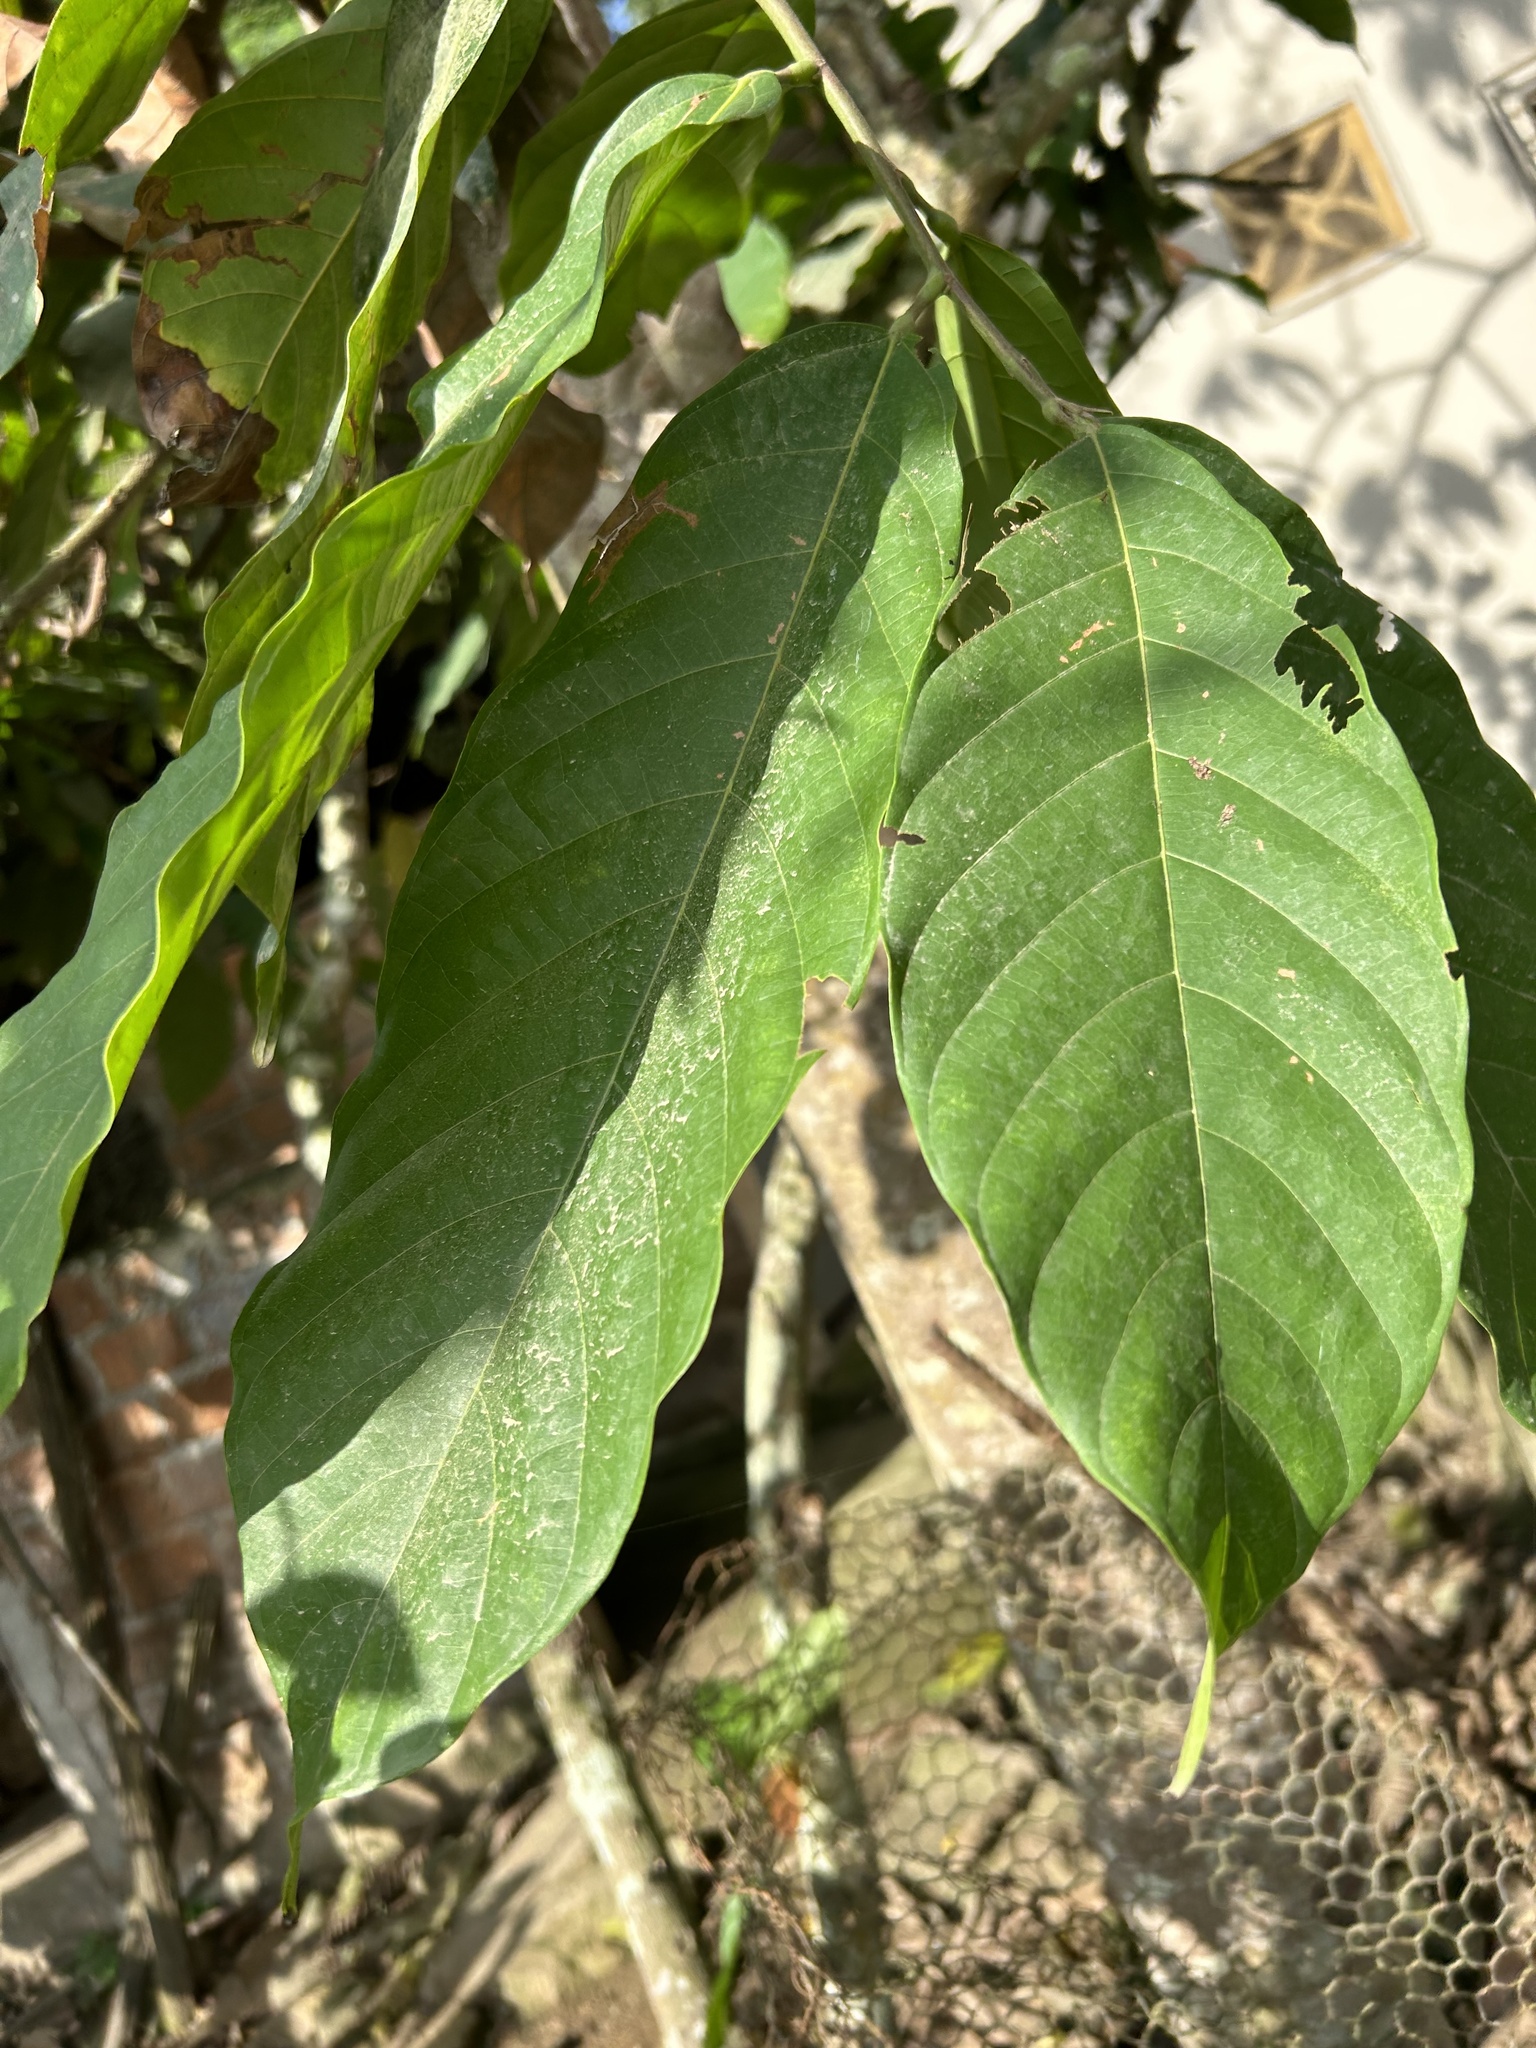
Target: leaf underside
[1485,824]
[1174,1018]
[589,1022]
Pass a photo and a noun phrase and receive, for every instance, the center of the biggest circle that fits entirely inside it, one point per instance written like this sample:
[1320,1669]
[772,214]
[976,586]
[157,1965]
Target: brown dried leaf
[20,43]
[547,478]
[171,98]
[222,447]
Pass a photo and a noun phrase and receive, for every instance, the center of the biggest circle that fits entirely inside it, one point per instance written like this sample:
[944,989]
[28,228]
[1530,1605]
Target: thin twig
[60,564]
[1077,419]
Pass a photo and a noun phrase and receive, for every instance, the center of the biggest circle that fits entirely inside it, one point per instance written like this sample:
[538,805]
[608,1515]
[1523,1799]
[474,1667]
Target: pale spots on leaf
[1181,627]
[1228,813]
[1202,768]
[1286,973]
[773,637]
[1088,632]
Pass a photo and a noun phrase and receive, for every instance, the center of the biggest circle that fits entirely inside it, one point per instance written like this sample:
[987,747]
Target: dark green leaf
[1334,20]
[589,1021]
[1175,1021]
[301,687]
[196,1034]
[1485,822]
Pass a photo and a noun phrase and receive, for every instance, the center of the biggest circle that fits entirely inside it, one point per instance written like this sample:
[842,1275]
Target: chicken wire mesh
[1013,1681]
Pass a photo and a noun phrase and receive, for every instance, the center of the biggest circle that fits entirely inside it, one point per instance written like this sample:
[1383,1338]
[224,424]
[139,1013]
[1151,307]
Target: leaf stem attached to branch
[809,60]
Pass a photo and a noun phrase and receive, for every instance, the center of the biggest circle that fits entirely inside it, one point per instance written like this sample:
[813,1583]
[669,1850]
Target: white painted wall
[1401,410]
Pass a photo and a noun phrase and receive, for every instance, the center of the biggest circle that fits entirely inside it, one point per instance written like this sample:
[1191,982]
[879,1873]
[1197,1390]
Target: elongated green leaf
[21,301]
[590,1020]
[67,1057]
[727,36]
[99,56]
[1485,822]
[1175,1021]
[1002,431]
[448,70]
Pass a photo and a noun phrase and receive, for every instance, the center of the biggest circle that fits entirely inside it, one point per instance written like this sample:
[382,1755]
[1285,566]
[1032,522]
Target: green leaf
[67,1057]
[1485,822]
[753,281]
[1334,20]
[268,177]
[99,56]
[704,212]
[1002,433]
[306,187]
[1175,1021]
[589,1022]
[448,70]
[726,36]
[21,301]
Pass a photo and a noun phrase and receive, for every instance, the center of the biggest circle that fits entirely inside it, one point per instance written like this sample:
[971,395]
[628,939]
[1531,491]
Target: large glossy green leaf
[1002,432]
[67,1057]
[1175,1020]
[1485,822]
[589,1021]
[711,210]
[99,56]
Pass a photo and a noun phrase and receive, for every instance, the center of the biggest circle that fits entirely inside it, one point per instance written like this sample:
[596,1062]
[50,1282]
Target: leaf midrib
[1220,1395]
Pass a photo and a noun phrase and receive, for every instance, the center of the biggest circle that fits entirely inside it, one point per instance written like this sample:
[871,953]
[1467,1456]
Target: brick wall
[147,1325]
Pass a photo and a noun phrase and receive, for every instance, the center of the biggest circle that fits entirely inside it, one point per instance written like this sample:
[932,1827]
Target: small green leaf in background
[1334,20]
[1002,432]
[754,281]
[21,300]
[1174,1017]
[1485,823]
[589,1022]
[293,703]
[96,62]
